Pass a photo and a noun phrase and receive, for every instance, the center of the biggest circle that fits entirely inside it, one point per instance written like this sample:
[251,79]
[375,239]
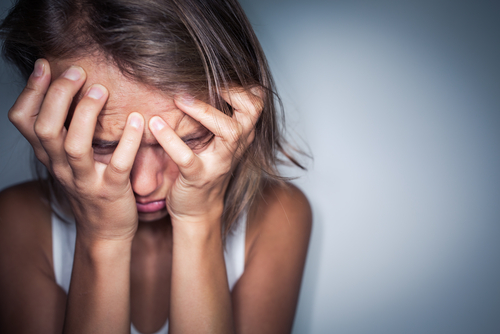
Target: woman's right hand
[100,194]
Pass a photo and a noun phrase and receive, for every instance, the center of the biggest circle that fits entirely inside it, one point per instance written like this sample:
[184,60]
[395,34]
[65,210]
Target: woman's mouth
[150,206]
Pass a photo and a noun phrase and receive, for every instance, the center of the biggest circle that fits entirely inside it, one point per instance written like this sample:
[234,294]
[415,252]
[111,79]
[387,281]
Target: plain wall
[15,152]
[399,103]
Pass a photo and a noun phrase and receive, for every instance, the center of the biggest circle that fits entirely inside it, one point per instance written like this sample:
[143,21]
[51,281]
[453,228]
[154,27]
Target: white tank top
[63,250]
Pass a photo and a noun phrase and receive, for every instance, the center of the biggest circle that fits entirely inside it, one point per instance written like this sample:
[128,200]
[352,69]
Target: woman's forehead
[125,96]
[124,93]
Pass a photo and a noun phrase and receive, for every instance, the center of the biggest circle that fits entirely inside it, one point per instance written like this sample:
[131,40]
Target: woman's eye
[103,152]
[200,142]
[103,149]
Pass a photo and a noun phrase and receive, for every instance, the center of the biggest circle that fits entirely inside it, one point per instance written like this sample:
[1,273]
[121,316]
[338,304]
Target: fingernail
[95,92]
[157,123]
[187,99]
[73,73]
[39,67]
[135,121]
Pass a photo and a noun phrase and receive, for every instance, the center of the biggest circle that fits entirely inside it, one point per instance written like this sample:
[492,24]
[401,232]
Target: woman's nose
[146,175]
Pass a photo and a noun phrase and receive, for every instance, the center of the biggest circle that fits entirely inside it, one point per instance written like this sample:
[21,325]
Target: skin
[121,149]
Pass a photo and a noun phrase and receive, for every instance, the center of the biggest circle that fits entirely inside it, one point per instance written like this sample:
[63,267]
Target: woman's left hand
[197,195]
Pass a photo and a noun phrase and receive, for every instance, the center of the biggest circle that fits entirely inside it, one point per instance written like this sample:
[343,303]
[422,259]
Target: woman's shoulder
[281,213]
[27,285]
[282,201]
[278,230]
[24,219]
[22,200]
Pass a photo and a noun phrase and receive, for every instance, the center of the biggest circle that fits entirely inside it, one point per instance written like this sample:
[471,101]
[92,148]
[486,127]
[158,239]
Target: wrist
[209,218]
[197,229]
[101,251]
[105,231]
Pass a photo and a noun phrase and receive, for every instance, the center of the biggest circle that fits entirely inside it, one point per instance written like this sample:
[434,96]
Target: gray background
[399,102]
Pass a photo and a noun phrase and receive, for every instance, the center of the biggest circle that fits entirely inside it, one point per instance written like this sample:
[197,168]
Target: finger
[49,125]
[27,106]
[189,164]
[78,143]
[247,105]
[122,161]
[218,123]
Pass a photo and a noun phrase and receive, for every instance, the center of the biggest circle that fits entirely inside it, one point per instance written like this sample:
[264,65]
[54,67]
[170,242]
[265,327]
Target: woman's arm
[279,226]
[200,297]
[31,301]
[100,195]
[266,296]
[99,295]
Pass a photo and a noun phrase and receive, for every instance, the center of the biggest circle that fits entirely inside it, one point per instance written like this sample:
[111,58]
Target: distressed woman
[162,209]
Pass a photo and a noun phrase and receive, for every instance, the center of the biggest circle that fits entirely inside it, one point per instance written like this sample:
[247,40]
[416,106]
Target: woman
[164,209]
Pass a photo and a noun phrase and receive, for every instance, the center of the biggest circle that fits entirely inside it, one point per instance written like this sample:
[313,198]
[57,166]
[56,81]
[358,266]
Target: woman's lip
[150,206]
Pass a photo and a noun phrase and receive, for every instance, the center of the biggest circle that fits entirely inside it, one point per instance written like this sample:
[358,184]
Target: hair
[198,46]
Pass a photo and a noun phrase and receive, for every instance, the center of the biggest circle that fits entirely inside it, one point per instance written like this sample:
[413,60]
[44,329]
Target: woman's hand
[100,195]
[197,194]
[195,202]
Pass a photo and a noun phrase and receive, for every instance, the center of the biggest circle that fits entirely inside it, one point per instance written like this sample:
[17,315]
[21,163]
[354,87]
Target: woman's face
[153,172]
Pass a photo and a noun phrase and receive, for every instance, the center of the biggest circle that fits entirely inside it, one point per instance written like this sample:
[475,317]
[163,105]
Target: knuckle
[74,152]
[119,168]
[187,160]
[58,90]
[258,94]
[15,116]
[44,131]
[58,173]
[258,91]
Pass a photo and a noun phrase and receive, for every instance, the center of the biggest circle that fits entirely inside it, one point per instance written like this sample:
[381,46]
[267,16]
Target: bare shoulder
[27,281]
[279,227]
[24,213]
[25,194]
[25,231]
[283,211]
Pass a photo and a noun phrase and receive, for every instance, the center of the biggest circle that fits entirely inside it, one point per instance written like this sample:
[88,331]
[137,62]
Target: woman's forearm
[200,298]
[99,293]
